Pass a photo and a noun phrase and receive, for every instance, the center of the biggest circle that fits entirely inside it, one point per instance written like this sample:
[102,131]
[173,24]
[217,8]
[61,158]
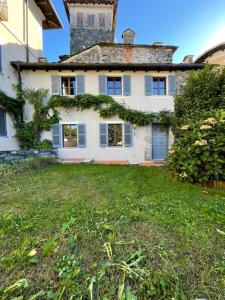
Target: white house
[21,28]
[141,77]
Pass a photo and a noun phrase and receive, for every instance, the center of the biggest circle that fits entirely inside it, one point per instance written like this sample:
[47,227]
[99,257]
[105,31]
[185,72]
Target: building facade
[141,77]
[214,55]
[21,27]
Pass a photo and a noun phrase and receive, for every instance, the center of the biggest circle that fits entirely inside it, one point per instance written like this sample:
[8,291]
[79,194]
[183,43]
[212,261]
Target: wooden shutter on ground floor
[148,85]
[128,135]
[103,135]
[82,136]
[102,85]
[80,84]
[3,127]
[57,136]
[172,81]
[56,85]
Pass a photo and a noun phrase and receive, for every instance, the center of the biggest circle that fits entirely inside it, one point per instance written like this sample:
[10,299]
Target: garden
[108,232]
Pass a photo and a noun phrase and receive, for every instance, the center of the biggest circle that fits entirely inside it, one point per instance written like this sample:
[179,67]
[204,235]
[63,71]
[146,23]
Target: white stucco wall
[137,100]
[13,42]
[9,142]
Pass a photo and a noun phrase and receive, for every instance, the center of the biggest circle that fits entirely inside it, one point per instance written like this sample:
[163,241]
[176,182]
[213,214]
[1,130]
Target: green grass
[110,232]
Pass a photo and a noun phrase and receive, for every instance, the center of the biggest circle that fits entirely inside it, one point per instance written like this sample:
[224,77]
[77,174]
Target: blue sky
[193,25]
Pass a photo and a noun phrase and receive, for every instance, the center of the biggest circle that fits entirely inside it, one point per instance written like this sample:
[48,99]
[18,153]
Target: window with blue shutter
[148,85]
[56,85]
[127,85]
[80,84]
[57,137]
[128,135]
[103,135]
[81,135]
[172,84]
[3,127]
[102,85]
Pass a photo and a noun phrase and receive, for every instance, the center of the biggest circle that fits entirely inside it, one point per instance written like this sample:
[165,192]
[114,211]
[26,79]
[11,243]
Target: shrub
[25,135]
[11,171]
[203,91]
[199,152]
[44,145]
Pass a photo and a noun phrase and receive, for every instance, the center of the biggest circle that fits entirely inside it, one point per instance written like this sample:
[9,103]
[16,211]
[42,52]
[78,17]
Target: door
[159,142]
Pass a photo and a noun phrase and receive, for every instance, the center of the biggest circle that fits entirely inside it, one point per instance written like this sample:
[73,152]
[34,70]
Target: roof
[52,20]
[115,67]
[109,2]
[173,48]
[210,52]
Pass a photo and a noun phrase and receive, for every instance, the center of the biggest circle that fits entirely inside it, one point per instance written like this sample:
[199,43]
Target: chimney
[42,59]
[128,36]
[188,59]
[158,44]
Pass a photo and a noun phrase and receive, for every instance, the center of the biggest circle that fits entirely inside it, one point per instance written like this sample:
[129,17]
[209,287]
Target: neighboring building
[214,55]
[21,26]
[142,77]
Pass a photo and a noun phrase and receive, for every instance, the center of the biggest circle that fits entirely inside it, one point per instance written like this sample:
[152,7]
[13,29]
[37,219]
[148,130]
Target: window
[70,133]
[3,130]
[102,20]
[80,19]
[115,135]
[91,20]
[69,86]
[3,10]
[159,86]
[114,86]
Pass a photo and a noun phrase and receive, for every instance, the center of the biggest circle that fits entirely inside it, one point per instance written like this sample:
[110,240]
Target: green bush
[203,91]
[11,171]
[199,152]
[25,134]
[44,145]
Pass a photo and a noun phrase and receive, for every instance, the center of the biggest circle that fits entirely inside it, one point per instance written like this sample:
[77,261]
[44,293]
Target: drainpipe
[27,32]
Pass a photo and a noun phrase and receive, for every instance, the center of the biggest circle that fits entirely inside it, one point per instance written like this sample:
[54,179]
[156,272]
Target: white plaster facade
[141,149]
[22,30]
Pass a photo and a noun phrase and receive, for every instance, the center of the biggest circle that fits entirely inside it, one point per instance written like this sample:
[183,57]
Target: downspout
[20,90]
[27,32]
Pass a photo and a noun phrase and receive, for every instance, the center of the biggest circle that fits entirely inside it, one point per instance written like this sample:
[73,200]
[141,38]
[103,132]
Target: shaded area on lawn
[113,232]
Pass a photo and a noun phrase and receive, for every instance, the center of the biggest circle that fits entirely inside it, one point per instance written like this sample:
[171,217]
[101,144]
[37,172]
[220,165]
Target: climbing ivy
[108,107]
[13,106]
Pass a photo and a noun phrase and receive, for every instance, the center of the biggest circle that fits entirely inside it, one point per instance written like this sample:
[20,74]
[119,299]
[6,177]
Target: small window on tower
[91,20]
[102,20]
[80,19]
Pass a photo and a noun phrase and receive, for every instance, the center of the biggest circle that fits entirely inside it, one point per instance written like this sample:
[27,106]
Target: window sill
[4,137]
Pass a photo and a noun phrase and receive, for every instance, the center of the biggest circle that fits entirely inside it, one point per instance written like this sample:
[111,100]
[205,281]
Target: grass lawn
[110,232]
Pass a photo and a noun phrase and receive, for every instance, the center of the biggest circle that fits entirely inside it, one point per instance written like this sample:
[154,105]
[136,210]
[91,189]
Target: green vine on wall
[46,115]
[108,107]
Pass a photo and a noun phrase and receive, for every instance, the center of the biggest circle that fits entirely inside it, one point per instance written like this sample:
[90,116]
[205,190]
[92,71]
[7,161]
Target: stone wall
[120,53]
[12,156]
[82,38]
[181,77]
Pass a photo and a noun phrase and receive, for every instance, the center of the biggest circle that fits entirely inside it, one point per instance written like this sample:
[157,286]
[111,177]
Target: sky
[192,25]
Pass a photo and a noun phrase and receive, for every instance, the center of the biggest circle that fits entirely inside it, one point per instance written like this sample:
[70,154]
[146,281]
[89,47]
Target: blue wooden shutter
[3,128]
[56,85]
[1,68]
[148,85]
[102,85]
[172,84]
[126,85]
[128,135]
[82,135]
[57,136]
[103,135]
[80,84]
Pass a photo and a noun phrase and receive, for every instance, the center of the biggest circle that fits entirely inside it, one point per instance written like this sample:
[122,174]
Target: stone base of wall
[12,156]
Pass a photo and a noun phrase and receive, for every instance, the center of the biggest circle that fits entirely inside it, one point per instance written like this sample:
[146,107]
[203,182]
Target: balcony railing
[3,10]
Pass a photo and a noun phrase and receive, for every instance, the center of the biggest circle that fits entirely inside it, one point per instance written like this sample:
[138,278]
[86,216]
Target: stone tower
[91,22]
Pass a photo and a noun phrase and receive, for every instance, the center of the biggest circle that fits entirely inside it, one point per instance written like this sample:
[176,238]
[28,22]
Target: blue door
[159,142]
